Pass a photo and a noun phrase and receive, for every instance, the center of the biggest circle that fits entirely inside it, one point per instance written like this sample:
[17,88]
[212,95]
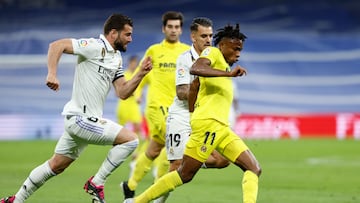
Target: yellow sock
[165,184]
[250,187]
[142,167]
[162,164]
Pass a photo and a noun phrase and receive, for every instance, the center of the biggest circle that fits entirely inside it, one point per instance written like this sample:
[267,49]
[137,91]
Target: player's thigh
[177,134]
[69,146]
[156,119]
[92,130]
[232,145]
[203,140]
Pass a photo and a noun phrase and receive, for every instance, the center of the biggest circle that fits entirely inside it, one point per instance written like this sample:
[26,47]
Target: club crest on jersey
[103,53]
[203,148]
[83,43]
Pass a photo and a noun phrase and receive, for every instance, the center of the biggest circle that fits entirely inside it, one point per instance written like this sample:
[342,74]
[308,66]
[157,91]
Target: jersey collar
[170,45]
[108,46]
[194,54]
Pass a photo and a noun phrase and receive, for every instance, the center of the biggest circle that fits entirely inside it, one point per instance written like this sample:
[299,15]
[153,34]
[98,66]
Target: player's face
[124,38]
[172,31]
[231,49]
[202,38]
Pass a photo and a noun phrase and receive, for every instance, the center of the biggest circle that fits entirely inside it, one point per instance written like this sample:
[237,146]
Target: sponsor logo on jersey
[167,65]
[181,72]
[205,52]
[83,43]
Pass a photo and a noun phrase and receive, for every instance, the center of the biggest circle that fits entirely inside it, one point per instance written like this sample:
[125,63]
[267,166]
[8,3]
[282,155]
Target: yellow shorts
[208,135]
[156,119]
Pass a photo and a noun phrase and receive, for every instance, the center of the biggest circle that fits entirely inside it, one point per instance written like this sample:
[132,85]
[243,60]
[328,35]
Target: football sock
[162,199]
[165,184]
[139,150]
[142,167]
[116,156]
[250,187]
[162,164]
[38,176]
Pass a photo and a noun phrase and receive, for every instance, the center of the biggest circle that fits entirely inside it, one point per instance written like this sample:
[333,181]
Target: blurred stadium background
[303,59]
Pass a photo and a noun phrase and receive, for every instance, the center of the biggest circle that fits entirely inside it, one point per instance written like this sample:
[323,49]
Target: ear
[221,44]
[113,34]
[192,37]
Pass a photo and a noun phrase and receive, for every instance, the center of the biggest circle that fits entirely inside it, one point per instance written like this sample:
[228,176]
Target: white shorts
[178,130]
[81,131]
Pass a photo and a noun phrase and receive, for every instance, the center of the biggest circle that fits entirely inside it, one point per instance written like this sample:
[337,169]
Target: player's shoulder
[154,46]
[210,50]
[87,46]
[185,54]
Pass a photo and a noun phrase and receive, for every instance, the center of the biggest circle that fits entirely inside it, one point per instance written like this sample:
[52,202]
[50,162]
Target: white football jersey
[94,73]
[183,76]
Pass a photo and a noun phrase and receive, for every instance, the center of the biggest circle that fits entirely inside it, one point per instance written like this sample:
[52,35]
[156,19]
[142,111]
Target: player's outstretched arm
[201,67]
[125,89]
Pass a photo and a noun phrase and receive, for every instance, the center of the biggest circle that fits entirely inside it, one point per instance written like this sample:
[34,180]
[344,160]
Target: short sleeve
[88,48]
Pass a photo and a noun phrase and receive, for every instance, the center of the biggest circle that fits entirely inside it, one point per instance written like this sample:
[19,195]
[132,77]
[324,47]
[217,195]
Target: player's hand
[52,82]
[238,71]
[146,64]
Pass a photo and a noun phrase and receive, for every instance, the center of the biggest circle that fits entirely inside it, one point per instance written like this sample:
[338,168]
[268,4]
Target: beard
[120,46]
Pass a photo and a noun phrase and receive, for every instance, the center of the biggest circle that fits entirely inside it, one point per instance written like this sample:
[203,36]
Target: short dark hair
[117,21]
[229,32]
[172,15]
[206,22]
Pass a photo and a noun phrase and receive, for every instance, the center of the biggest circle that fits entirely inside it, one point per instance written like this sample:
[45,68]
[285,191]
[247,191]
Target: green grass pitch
[294,171]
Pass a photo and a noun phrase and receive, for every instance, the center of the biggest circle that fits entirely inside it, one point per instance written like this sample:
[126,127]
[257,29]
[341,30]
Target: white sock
[34,181]
[115,157]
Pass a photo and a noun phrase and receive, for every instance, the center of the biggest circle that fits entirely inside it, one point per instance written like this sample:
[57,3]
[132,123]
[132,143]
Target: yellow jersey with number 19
[161,79]
[216,93]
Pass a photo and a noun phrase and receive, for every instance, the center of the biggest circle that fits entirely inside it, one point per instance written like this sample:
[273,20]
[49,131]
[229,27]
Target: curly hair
[229,31]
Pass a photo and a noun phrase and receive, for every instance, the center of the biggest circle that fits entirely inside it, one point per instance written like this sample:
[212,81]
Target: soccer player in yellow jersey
[128,111]
[161,92]
[210,120]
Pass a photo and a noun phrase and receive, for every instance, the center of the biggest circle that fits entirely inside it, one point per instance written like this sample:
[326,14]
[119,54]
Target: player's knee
[223,163]
[257,170]
[58,165]
[153,150]
[185,176]
[132,145]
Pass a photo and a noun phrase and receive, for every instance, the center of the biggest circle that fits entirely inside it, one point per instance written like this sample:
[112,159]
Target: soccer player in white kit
[99,66]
